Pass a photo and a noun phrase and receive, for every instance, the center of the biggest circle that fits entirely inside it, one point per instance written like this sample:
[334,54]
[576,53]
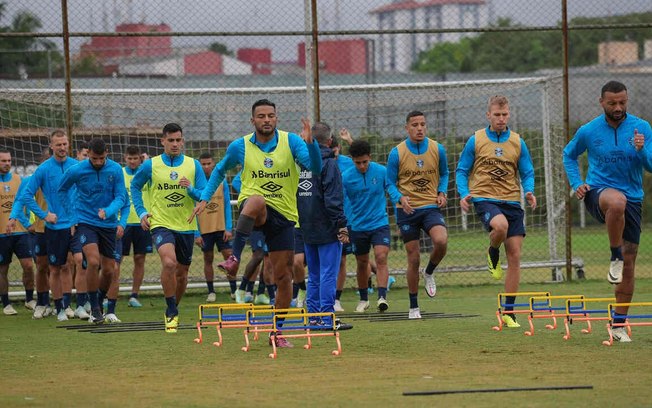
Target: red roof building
[339,56]
[110,47]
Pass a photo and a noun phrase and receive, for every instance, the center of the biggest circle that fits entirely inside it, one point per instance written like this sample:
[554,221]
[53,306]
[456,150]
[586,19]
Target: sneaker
[31,304]
[390,281]
[262,299]
[9,310]
[382,304]
[96,317]
[80,313]
[338,306]
[171,324]
[620,334]
[429,284]
[248,298]
[49,311]
[39,312]
[510,321]
[362,306]
[340,325]
[230,266]
[62,316]
[211,297]
[69,312]
[415,313]
[134,302]
[239,296]
[615,274]
[112,318]
[497,272]
[87,307]
[233,296]
[281,342]
[301,298]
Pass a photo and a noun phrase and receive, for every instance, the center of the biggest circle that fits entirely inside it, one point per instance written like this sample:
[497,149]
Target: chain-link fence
[133,66]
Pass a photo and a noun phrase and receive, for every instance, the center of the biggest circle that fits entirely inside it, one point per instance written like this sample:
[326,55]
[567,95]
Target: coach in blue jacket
[321,217]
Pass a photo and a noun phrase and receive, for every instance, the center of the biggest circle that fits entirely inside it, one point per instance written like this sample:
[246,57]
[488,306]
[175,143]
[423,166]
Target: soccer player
[171,204]
[134,235]
[268,197]
[299,266]
[101,193]
[365,186]
[215,227]
[13,236]
[110,285]
[617,151]
[419,169]
[58,222]
[493,165]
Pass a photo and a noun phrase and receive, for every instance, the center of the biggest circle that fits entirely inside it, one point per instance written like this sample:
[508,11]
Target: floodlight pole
[566,109]
[312,60]
[66,60]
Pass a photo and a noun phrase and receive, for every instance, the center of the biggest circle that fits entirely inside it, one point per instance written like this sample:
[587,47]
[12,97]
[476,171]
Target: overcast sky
[275,15]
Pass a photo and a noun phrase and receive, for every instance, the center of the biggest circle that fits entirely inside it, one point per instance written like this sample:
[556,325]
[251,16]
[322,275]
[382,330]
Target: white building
[399,52]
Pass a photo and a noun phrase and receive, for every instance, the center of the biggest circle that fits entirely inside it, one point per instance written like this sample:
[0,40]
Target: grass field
[43,365]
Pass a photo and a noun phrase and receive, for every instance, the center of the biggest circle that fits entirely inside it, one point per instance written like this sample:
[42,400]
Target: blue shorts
[103,237]
[140,239]
[40,244]
[363,240]
[298,242]
[117,254]
[215,238]
[182,243]
[257,241]
[18,244]
[487,210]
[632,231]
[59,244]
[278,231]
[424,219]
[75,245]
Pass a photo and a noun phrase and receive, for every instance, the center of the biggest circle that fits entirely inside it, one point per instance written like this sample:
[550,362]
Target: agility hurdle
[547,311]
[226,315]
[306,326]
[501,305]
[581,313]
[260,320]
[628,324]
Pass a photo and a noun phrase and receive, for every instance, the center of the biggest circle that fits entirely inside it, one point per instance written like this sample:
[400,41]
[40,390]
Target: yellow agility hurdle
[259,320]
[582,313]
[308,328]
[628,317]
[547,310]
[501,305]
[222,316]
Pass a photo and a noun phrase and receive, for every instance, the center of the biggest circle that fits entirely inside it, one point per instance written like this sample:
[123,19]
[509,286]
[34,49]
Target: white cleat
[338,306]
[9,310]
[31,304]
[429,284]
[69,313]
[62,316]
[81,313]
[39,312]
[362,306]
[615,274]
[211,297]
[111,318]
[620,334]
[415,313]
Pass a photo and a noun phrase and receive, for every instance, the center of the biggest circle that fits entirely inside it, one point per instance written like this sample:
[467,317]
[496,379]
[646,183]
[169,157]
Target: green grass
[47,366]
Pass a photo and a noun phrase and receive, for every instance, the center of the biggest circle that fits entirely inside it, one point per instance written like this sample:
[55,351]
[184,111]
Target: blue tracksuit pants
[323,266]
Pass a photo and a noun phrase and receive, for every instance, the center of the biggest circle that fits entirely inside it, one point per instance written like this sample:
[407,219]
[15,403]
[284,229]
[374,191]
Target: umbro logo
[271,187]
[7,205]
[305,185]
[212,206]
[498,173]
[421,183]
[174,197]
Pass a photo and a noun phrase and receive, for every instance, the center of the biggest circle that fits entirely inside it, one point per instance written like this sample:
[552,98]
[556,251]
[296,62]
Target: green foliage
[34,115]
[220,48]
[88,65]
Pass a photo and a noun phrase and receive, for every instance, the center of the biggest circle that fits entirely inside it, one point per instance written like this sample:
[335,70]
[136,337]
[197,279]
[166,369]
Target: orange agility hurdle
[307,326]
[577,310]
[628,317]
[222,316]
[502,305]
[547,310]
[261,320]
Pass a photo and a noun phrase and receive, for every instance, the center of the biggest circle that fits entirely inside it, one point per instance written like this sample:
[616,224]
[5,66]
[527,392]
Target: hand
[102,214]
[199,241]
[343,235]
[31,229]
[227,236]
[119,232]
[51,218]
[442,200]
[639,140]
[531,200]
[197,210]
[465,204]
[306,131]
[144,222]
[184,182]
[580,192]
[346,136]
[405,204]
[11,226]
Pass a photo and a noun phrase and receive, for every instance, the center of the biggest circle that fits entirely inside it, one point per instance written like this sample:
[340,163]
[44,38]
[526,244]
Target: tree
[220,48]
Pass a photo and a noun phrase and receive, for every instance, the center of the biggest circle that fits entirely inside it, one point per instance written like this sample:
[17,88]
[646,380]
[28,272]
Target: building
[617,52]
[339,56]
[111,47]
[399,52]
[260,59]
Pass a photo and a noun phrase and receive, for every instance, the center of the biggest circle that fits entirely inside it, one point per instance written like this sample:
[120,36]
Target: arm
[526,169]
[306,154]
[443,170]
[200,182]
[18,210]
[392,166]
[390,188]
[120,193]
[572,151]
[228,218]
[464,167]
[30,191]
[333,193]
[142,177]
[234,156]
[643,145]
[65,185]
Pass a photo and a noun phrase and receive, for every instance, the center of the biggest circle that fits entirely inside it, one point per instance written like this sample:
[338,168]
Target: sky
[276,15]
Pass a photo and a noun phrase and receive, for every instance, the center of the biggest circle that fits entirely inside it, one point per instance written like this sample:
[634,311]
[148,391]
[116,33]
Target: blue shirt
[47,177]
[18,210]
[308,157]
[102,188]
[124,211]
[419,148]
[467,160]
[366,194]
[613,160]
[344,163]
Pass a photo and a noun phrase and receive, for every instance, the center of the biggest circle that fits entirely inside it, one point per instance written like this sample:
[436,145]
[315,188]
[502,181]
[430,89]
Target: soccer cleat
[281,342]
[293,302]
[340,325]
[414,313]
[382,304]
[615,274]
[171,324]
[112,318]
[87,307]
[390,281]
[31,304]
[105,304]
[338,306]
[9,310]
[620,334]
[239,296]
[69,312]
[261,299]
[80,313]
[233,296]
[39,312]
[62,316]
[510,321]
[248,297]
[429,284]
[134,302]
[497,272]
[230,266]
[301,298]
[211,297]
[49,311]
[362,306]
[96,317]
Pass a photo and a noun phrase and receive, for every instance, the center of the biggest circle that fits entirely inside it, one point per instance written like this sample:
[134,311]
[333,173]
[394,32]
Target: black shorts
[215,238]
[632,231]
[257,241]
[117,254]
[363,240]
[487,210]
[18,244]
[182,243]
[298,242]
[137,237]
[410,226]
[103,237]
[278,230]
[40,244]
[58,245]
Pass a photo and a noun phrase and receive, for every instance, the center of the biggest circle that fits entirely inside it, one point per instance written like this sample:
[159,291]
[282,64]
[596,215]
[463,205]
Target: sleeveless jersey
[418,175]
[133,217]
[212,219]
[8,190]
[170,203]
[495,172]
